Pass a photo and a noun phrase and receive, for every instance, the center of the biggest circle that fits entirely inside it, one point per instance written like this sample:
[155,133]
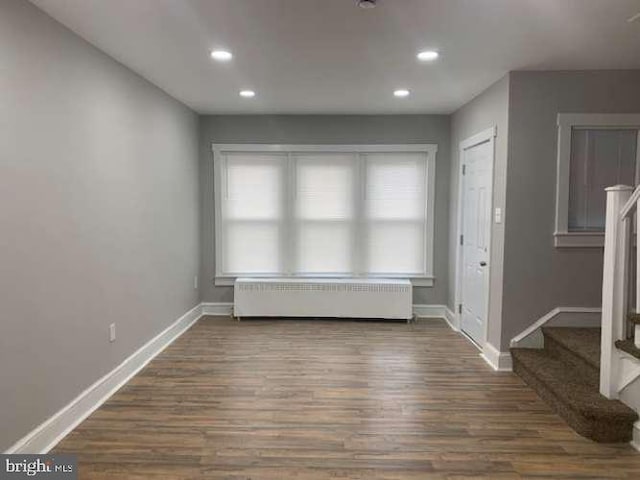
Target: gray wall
[98,213]
[487,110]
[329,129]
[537,276]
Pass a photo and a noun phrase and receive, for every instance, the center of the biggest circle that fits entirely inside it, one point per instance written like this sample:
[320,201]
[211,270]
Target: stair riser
[588,371]
[599,431]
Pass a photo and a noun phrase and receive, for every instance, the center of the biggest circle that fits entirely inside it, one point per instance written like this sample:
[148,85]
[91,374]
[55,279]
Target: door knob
[483,264]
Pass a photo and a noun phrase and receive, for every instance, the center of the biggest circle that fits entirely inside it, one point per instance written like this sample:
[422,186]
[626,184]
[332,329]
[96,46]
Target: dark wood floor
[301,399]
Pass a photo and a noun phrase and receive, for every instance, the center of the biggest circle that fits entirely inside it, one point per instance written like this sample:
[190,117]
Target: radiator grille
[315,297]
[322,287]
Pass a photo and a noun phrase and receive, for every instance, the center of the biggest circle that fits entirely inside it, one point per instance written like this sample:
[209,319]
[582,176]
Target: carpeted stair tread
[628,346]
[569,390]
[580,341]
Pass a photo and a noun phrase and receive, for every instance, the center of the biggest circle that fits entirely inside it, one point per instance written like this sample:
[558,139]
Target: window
[253,213]
[324,221]
[594,152]
[333,211]
[395,199]
[600,158]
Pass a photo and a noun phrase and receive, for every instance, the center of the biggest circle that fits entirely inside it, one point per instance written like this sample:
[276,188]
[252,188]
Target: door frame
[484,136]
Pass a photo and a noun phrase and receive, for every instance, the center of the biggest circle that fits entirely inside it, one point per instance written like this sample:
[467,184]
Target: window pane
[324,247]
[395,185]
[325,189]
[396,248]
[395,202]
[325,186]
[600,158]
[254,186]
[252,247]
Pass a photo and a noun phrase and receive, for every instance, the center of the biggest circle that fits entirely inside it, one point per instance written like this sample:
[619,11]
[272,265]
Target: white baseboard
[44,437]
[635,443]
[531,337]
[217,309]
[452,319]
[499,361]
[436,311]
[420,311]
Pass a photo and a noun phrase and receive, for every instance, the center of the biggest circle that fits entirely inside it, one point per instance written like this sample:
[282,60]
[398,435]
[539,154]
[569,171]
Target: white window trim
[566,123]
[431,150]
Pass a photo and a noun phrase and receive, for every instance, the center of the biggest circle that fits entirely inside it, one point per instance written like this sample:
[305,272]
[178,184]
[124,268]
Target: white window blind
[395,213]
[325,213]
[600,158]
[324,210]
[253,213]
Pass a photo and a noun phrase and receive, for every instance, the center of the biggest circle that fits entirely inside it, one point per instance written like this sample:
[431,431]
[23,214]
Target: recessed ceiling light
[401,92]
[428,55]
[221,55]
[247,93]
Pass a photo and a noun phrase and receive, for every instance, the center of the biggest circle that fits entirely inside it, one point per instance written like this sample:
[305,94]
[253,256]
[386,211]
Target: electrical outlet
[112,332]
[195,282]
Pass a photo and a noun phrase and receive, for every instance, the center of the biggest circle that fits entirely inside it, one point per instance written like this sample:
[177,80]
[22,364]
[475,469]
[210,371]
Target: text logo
[49,467]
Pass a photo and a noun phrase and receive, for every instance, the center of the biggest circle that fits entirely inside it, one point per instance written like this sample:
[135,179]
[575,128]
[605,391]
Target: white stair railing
[622,204]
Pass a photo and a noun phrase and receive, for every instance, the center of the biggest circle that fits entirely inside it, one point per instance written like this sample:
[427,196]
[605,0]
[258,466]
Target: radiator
[349,298]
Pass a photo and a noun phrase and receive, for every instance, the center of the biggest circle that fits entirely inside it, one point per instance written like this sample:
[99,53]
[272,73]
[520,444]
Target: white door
[476,228]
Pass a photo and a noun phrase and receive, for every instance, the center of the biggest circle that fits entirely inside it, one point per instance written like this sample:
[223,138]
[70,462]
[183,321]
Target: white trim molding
[415,282]
[499,361]
[579,239]
[436,311]
[566,123]
[479,138]
[422,278]
[531,337]
[335,148]
[419,310]
[220,309]
[45,436]
[635,443]
[451,319]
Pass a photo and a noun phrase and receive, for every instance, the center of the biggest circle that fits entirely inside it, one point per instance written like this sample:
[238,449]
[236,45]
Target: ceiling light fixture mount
[428,55]
[221,55]
[367,4]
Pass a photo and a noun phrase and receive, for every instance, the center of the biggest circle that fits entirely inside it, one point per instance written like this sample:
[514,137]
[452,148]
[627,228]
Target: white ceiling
[329,56]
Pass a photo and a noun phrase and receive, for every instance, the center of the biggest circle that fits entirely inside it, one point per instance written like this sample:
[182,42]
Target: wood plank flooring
[311,400]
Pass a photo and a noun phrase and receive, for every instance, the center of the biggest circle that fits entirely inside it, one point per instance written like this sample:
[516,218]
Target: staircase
[565,373]
[630,344]
[586,374]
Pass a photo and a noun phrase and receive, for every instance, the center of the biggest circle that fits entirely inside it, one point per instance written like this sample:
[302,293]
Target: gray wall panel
[537,276]
[98,215]
[489,109]
[327,129]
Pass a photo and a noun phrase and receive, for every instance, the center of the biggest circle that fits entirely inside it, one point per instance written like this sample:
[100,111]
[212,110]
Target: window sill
[416,282]
[579,239]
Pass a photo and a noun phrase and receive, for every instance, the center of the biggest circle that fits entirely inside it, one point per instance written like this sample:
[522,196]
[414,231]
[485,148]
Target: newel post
[614,286]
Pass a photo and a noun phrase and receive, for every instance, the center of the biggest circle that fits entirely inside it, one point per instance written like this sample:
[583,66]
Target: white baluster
[614,286]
